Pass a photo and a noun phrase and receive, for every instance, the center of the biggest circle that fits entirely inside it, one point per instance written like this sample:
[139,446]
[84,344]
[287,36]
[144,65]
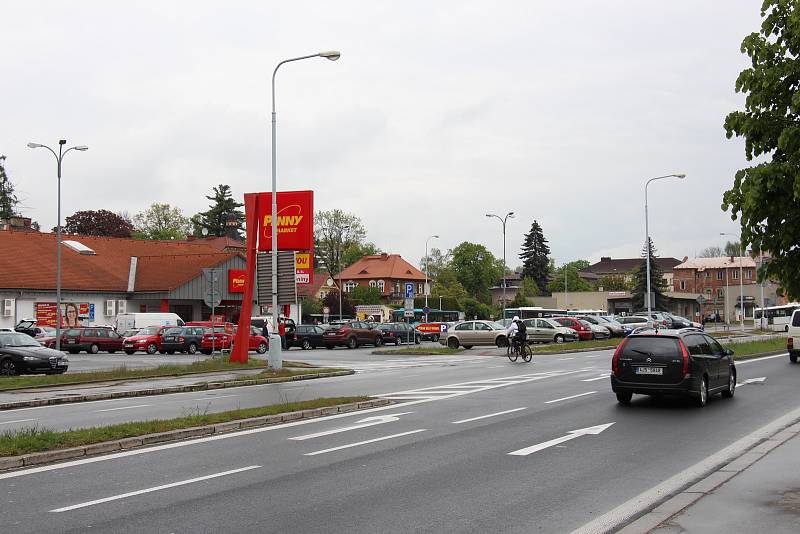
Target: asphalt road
[481,445]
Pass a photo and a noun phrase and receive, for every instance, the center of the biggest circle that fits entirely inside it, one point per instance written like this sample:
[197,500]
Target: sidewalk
[44,396]
[758,492]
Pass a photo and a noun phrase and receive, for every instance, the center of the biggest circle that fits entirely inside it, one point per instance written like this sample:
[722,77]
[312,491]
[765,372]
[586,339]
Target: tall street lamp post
[741,279]
[647,236]
[275,345]
[339,256]
[59,157]
[426,274]
[509,215]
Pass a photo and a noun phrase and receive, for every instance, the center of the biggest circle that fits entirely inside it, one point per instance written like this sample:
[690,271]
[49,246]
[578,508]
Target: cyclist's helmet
[515,319]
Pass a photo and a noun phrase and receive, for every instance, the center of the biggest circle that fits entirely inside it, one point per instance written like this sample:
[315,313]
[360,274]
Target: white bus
[596,313]
[776,317]
[529,312]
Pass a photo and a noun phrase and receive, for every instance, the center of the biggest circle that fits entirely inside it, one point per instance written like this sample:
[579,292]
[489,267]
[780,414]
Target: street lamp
[59,157]
[509,215]
[647,234]
[741,278]
[339,257]
[275,346]
[426,274]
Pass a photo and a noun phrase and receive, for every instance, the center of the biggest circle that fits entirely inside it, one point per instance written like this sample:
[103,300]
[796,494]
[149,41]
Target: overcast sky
[436,114]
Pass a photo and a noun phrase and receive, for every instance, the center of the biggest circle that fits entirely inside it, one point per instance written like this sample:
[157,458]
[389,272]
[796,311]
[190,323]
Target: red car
[257,342]
[584,331]
[146,340]
[216,339]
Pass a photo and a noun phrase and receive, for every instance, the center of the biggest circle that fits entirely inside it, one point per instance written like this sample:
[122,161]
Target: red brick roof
[28,261]
[310,290]
[385,266]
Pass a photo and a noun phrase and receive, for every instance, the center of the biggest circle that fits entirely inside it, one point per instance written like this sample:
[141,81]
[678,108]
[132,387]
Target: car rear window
[796,318]
[651,345]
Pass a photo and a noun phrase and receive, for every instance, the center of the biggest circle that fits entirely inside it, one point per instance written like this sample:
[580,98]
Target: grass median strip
[421,351]
[749,348]
[34,439]
[578,345]
[124,373]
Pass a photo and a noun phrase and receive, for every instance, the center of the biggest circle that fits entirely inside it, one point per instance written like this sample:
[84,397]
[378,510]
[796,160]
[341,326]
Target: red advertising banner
[72,314]
[46,314]
[295,220]
[303,268]
[236,279]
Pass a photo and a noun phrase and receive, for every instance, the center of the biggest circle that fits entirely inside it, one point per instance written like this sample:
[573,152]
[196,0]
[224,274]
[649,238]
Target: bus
[434,316]
[595,313]
[529,312]
[777,317]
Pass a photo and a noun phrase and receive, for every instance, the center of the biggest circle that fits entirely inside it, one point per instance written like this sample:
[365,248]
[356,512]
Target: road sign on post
[409,290]
[212,294]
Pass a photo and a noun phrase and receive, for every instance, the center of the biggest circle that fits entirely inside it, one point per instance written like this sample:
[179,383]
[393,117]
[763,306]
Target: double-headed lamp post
[647,235]
[741,279]
[274,345]
[59,157]
[426,274]
[509,215]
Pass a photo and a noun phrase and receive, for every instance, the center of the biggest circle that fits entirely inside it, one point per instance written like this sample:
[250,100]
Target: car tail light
[615,359]
[181,340]
[789,343]
[685,357]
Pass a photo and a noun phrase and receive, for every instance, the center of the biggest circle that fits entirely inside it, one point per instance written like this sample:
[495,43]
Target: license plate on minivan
[649,371]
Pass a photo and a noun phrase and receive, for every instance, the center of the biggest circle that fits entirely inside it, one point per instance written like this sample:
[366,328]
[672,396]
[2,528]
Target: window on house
[708,274]
[708,290]
[373,283]
[720,293]
[735,275]
[683,284]
[420,289]
[348,287]
[719,275]
[748,274]
[381,285]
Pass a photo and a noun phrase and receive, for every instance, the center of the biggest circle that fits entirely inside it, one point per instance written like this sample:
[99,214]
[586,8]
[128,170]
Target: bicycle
[516,349]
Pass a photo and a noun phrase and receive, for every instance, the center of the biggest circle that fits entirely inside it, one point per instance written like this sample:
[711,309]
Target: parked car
[20,353]
[683,322]
[307,336]
[146,340]
[259,323]
[91,339]
[626,329]
[182,339]
[598,332]
[126,321]
[583,329]
[793,339]
[616,329]
[130,332]
[672,362]
[543,330]
[351,335]
[471,333]
[27,326]
[399,333]
[220,337]
[256,341]
[635,321]
[662,319]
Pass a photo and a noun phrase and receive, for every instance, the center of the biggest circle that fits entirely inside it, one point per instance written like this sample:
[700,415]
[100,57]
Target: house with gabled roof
[388,272]
[106,276]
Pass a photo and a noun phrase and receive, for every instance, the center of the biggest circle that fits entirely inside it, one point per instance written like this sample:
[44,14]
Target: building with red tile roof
[387,272]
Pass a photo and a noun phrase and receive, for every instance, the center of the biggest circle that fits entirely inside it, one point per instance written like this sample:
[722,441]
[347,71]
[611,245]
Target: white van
[128,321]
[793,341]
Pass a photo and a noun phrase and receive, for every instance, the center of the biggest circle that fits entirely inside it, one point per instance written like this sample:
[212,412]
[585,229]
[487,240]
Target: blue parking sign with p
[409,290]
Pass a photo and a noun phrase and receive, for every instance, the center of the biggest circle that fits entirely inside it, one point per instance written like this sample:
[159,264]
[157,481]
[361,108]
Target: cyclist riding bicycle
[517,332]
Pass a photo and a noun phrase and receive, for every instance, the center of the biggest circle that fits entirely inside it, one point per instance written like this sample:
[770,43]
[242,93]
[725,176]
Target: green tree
[574,281]
[365,295]
[311,306]
[331,300]
[435,262]
[8,199]
[161,221]
[334,231]
[447,286]
[765,197]
[100,223]
[222,210]
[476,268]
[474,308]
[614,282]
[534,256]
[528,289]
[658,286]
[355,251]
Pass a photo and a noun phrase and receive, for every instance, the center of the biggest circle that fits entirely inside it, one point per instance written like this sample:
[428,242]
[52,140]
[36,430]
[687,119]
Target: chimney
[605,259]
[132,274]
[685,259]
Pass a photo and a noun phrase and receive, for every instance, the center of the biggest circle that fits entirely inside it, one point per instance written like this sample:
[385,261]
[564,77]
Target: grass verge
[123,373]
[422,351]
[757,347]
[577,345]
[34,439]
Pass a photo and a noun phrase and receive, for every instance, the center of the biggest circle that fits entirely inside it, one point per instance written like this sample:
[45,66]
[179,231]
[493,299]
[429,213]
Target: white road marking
[363,423]
[150,490]
[123,408]
[601,377]
[215,397]
[754,360]
[565,359]
[488,415]
[572,434]
[349,445]
[17,421]
[570,397]
[758,380]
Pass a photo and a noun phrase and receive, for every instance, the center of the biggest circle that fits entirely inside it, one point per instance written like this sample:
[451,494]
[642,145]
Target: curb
[758,355]
[707,485]
[38,458]
[203,386]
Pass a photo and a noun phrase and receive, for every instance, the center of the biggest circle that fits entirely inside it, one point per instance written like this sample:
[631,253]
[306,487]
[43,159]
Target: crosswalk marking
[394,364]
